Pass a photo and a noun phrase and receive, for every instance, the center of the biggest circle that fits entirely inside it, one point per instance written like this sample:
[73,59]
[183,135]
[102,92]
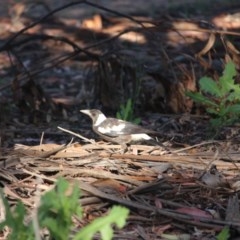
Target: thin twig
[77,135]
[194,146]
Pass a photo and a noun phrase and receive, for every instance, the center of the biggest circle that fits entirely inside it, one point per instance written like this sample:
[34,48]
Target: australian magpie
[118,131]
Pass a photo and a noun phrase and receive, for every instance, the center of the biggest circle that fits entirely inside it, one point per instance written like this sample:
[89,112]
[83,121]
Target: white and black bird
[119,131]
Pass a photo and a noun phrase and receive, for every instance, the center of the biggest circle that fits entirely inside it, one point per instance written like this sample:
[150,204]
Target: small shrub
[221,98]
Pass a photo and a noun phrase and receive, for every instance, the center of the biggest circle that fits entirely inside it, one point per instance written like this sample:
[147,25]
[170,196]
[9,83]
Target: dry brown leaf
[110,186]
[208,46]
[195,212]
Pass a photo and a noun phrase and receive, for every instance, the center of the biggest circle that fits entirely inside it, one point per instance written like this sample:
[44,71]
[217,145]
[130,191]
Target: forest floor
[101,54]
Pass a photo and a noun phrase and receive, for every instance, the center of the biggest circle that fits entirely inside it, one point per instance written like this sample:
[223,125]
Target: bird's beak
[87,112]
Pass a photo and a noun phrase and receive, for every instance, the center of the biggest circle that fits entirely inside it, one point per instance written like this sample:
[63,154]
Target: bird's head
[96,115]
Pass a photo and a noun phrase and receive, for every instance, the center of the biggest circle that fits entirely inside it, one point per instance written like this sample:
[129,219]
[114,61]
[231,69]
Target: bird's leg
[159,144]
[125,148]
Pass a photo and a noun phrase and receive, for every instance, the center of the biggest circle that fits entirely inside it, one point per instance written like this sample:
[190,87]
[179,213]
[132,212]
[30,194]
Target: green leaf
[57,208]
[199,98]
[208,85]
[234,109]
[212,111]
[126,112]
[234,94]
[226,81]
[224,234]
[236,90]
[14,219]
[117,215]
[223,111]
[129,109]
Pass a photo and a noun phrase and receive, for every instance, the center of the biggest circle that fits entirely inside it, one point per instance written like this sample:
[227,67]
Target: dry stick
[194,146]
[89,200]
[44,37]
[41,140]
[89,172]
[163,158]
[8,192]
[208,166]
[41,176]
[85,139]
[54,151]
[77,135]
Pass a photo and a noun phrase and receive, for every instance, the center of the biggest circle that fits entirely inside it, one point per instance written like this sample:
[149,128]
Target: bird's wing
[113,127]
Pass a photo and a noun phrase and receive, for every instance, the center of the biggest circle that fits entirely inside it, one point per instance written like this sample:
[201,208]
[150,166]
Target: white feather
[140,136]
[114,128]
[100,119]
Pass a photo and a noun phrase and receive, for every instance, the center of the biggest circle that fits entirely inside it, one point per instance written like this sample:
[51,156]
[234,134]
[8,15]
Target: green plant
[117,215]
[224,234]
[221,98]
[57,207]
[15,221]
[126,112]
